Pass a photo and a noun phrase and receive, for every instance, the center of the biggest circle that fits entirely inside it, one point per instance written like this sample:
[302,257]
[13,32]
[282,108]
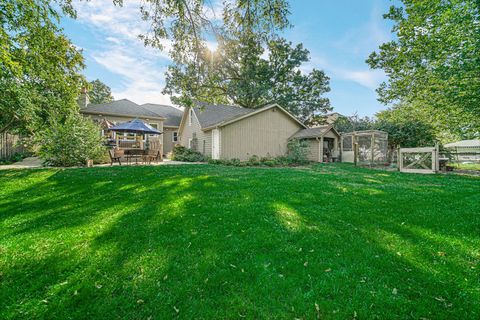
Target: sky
[340,34]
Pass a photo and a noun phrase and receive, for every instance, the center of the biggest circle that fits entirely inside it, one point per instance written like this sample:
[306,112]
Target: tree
[404,130]
[100,92]
[237,73]
[39,66]
[70,142]
[353,123]
[434,63]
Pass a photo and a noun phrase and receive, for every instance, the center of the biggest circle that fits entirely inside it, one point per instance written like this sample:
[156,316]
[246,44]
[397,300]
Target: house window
[189,143]
[190,117]
[155,126]
[175,136]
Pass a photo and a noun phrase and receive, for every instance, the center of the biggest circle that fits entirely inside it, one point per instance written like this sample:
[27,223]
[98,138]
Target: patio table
[134,154]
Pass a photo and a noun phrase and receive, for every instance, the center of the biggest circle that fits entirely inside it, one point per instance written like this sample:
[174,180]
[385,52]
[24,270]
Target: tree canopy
[433,64]
[238,72]
[404,130]
[39,66]
[354,123]
[99,92]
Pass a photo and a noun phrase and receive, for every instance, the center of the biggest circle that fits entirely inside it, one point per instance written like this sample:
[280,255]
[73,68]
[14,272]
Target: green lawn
[466,166]
[205,242]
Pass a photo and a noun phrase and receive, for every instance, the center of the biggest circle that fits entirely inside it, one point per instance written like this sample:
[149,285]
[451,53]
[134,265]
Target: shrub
[71,143]
[297,151]
[181,153]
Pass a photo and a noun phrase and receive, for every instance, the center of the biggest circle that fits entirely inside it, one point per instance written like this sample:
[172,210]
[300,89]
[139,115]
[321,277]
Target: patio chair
[115,156]
[151,155]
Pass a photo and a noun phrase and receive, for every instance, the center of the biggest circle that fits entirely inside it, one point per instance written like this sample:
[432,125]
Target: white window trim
[174,138]
[190,143]
[190,116]
[157,126]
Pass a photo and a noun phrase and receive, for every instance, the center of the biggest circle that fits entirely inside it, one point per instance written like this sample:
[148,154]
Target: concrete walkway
[27,163]
[34,162]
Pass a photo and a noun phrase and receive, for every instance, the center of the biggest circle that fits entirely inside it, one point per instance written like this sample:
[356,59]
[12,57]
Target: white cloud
[141,69]
[365,77]
[365,38]
[143,81]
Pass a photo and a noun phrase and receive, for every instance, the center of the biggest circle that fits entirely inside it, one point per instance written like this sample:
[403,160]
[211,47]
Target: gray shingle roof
[122,107]
[172,115]
[209,115]
[311,132]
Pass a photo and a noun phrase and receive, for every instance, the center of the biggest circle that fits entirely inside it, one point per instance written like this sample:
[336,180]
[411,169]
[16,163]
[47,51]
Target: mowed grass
[214,242]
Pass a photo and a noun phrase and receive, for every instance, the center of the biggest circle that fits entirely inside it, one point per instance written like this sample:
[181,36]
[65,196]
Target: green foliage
[213,242]
[353,123]
[297,151]
[296,156]
[181,153]
[188,23]
[99,92]
[71,143]
[404,130]
[433,64]
[14,158]
[237,73]
[39,66]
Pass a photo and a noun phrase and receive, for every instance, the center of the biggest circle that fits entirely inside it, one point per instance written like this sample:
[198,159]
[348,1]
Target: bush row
[256,161]
[296,155]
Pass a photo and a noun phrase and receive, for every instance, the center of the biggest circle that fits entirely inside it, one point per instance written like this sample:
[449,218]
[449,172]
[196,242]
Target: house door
[328,148]
[215,144]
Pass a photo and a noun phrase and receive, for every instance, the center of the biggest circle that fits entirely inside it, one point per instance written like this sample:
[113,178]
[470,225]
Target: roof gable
[259,110]
[172,115]
[315,132]
[209,115]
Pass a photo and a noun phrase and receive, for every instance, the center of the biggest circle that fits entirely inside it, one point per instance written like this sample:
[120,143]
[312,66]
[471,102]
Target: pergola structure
[364,147]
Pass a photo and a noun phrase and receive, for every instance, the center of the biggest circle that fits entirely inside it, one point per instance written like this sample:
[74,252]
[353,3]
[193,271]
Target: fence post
[372,146]
[436,163]
[355,153]
[399,159]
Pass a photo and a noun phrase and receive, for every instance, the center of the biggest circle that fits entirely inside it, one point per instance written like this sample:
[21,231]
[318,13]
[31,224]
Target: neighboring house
[162,117]
[465,150]
[227,132]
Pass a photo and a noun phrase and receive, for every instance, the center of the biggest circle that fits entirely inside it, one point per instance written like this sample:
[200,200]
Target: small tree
[353,123]
[100,92]
[70,143]
[297,151]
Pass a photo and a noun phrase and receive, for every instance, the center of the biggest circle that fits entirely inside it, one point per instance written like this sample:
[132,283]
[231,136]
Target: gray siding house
[162,117]
[227,132]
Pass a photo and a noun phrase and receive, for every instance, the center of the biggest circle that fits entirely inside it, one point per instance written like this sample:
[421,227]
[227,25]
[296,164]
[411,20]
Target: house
[162,117]
[227,132]
[464,150]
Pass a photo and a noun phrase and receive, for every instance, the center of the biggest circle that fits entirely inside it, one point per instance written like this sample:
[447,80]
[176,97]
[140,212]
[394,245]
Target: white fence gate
[418,160]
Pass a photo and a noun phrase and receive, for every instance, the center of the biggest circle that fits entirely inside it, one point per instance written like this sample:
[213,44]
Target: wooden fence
[9,145]
[418,160]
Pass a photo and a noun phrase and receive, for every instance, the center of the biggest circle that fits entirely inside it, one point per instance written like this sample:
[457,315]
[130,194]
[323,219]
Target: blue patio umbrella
[135,126]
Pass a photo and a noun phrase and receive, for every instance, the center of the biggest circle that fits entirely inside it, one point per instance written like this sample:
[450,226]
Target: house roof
[463,143]
[315,132]
[210,115]
[122,107]
[173,115]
